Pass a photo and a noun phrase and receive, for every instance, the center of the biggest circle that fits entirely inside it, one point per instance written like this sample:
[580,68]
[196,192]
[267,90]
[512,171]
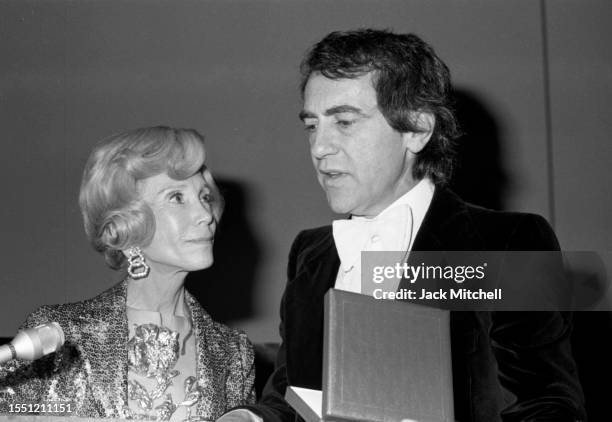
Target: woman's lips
[200,240]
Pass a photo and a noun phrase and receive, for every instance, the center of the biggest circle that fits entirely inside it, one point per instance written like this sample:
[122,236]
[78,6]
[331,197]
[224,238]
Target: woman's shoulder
[53,313]
[96,308]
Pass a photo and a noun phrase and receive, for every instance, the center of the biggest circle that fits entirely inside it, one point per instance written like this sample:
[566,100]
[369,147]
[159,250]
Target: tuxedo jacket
[510,366]
[91,369]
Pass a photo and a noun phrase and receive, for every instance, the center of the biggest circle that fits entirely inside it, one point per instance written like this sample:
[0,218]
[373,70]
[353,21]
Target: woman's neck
[162,292]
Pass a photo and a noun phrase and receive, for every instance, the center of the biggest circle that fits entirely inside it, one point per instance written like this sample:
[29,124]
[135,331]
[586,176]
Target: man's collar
[418,198]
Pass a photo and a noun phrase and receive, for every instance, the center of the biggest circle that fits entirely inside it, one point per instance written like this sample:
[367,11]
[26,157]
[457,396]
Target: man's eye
[177,198]
[310,126]
[345,123]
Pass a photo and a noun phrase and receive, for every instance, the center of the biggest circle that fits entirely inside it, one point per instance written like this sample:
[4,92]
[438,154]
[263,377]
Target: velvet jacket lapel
[317,266]
[447,226]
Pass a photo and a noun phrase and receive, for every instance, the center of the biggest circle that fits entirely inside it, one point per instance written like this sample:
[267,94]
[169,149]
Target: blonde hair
[114,215]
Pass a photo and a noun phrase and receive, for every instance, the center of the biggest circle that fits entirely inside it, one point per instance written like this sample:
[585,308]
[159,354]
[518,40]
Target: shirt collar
[418,198]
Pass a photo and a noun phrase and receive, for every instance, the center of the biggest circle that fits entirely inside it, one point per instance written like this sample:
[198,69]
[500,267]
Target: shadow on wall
[480,177]
[226,289]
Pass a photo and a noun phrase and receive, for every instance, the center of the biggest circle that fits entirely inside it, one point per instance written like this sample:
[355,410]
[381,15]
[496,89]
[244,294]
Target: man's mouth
[332,174]
[332,178]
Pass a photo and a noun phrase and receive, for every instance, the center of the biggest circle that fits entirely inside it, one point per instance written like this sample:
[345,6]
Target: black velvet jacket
[510,366]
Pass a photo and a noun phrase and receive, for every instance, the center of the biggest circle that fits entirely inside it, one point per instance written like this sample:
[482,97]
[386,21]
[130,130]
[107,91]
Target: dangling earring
[137,267]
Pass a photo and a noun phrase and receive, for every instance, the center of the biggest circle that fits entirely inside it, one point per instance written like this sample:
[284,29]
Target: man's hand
[240,415]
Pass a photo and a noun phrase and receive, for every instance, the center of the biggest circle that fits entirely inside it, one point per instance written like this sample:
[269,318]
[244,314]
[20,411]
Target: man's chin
[339,207]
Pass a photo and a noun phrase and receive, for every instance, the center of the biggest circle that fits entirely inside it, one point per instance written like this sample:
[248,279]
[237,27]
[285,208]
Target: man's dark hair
[408,77]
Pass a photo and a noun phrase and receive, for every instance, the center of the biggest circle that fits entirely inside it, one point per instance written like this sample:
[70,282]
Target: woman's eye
[177,198]
[206,197]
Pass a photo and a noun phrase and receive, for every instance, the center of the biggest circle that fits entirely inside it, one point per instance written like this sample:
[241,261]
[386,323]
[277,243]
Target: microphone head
[33,343]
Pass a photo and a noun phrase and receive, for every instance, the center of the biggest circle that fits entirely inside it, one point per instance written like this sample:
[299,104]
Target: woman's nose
[205,213]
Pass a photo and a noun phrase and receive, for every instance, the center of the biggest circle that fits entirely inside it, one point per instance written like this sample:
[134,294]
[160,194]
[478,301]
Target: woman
[145,348]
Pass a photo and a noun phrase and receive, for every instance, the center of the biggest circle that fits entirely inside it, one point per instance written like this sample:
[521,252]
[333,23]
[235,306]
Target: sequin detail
[152,352]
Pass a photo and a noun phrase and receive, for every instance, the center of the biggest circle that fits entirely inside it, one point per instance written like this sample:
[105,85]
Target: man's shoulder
[487,216]
[315,235]
[508,230]
[311,244]
[313,240]
[453,224]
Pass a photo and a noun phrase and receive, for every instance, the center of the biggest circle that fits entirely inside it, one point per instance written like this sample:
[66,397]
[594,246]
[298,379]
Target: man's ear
[416,141]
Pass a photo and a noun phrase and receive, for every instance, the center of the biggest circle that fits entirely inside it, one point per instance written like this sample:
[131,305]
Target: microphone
[33,343]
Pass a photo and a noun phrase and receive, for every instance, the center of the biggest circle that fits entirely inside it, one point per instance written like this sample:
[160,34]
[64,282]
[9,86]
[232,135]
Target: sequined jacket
[91,370]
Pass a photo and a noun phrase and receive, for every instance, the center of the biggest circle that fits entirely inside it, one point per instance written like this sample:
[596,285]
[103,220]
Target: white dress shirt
[394,229]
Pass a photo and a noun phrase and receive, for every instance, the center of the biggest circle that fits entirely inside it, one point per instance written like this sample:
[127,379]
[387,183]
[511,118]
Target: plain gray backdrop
[534,83]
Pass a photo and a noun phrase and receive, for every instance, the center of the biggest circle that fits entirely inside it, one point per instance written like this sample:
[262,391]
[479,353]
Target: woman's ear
[129,252]
[416,141]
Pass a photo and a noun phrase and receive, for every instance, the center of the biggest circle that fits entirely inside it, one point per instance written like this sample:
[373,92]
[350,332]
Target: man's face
[362,163]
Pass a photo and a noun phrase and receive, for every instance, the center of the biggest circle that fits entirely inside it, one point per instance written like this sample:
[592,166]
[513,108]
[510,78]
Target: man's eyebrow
[333,110]
[344,109]
[305,115]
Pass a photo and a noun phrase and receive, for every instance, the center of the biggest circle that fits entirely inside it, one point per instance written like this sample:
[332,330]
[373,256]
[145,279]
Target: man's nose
[322,142]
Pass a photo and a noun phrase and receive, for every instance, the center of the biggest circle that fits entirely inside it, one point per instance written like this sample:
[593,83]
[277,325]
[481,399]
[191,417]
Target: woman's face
[184,223]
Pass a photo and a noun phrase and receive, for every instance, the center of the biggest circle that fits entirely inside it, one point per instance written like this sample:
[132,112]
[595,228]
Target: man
[378,116]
